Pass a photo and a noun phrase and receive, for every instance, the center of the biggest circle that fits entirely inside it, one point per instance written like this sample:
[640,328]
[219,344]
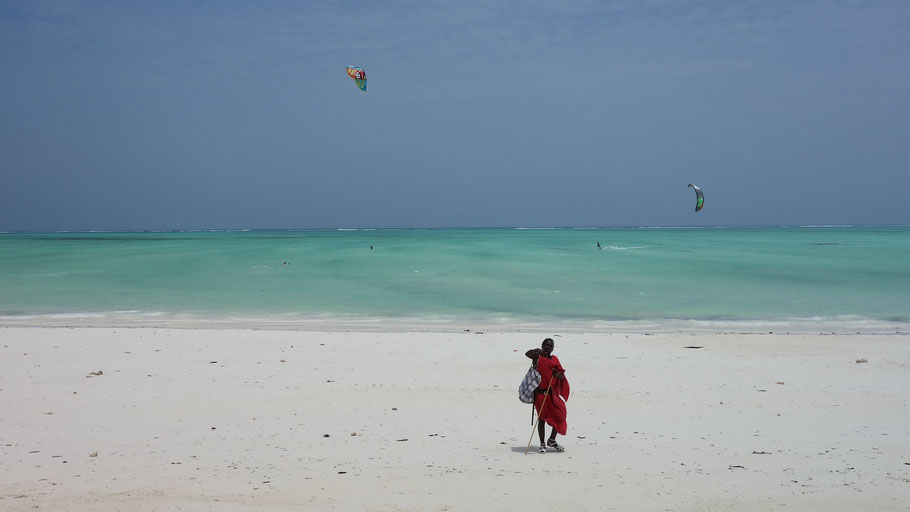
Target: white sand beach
[145,419]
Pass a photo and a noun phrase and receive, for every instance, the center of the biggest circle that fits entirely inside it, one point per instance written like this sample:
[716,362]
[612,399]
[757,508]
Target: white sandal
[543,449]
[556,446]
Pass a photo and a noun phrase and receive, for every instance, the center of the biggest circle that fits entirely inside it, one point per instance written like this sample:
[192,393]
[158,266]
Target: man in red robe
[551,395]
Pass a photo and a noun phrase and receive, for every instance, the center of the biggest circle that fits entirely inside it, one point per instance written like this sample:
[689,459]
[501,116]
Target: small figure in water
[371,247]
[598,245]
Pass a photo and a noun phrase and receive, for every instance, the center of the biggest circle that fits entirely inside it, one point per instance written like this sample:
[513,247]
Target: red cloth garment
[554,408]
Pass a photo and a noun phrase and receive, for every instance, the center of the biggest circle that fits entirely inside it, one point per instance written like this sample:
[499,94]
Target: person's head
[547,346]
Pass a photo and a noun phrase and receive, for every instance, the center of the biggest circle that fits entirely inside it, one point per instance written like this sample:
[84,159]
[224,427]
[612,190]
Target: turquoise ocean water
[753,278]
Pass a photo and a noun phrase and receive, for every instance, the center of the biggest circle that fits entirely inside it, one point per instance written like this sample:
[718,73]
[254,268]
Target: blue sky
[238,114]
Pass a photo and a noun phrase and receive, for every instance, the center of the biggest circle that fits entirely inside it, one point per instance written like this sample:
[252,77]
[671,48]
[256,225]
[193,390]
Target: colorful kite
[699,198]
[359,76]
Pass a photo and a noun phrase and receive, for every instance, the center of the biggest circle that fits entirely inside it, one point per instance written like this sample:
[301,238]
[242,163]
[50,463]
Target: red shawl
[554,409]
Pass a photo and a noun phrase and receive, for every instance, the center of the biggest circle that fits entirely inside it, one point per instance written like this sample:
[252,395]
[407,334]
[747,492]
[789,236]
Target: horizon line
[526,228]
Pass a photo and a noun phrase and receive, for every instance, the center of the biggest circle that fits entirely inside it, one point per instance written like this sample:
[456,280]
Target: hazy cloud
[127,115]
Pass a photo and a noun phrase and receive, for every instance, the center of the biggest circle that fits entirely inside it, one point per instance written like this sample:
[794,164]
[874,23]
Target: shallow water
[849,277]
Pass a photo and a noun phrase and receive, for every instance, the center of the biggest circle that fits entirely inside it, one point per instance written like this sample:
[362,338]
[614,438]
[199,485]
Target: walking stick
[538,414]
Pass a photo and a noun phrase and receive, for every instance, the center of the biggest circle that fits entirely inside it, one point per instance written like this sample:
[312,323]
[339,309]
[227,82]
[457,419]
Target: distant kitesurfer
[551,394]
[598,245]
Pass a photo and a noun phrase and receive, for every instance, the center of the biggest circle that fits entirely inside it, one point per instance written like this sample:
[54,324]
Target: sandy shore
[146,419]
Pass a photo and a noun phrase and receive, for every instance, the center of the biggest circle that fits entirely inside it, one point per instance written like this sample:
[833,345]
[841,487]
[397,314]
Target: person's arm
[533,354]
[558,371]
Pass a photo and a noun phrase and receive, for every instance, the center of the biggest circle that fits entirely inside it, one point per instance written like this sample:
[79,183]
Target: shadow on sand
[533,449]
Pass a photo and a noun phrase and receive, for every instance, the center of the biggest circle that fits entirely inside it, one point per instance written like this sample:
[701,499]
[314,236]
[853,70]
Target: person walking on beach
[550,405]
